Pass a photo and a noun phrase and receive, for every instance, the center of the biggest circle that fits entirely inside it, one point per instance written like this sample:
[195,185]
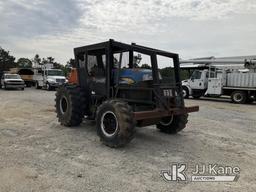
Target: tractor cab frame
[120,94]
[168,98]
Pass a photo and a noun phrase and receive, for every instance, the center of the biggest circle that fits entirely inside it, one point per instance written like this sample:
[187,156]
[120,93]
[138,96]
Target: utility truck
[48,78]
[222,77]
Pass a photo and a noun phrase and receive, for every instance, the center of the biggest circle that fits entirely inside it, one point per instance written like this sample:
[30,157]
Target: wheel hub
[63,105]
[166,120]
[238,97]
[109,123]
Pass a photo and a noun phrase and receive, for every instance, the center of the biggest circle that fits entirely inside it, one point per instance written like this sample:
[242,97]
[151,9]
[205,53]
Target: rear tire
[239,97]
[174,124]
[115,123]
[70,105]
[196,94]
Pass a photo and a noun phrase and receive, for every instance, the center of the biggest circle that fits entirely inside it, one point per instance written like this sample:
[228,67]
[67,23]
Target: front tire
[185,92]
[69,105]
[173,124]
[115,123]
[48,87]
[5,87]
[37,85]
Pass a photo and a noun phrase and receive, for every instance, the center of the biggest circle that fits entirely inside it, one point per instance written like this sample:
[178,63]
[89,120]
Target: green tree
[44,61]
[145,66]
[71,63]
[7,61]
[50,59]
[24,63]
[37,59]
[169,72]
[66,69]
[57,65]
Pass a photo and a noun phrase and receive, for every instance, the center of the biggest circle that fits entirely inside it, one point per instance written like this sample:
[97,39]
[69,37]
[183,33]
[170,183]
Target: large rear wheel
[70,105]
[173,124]
[115,123]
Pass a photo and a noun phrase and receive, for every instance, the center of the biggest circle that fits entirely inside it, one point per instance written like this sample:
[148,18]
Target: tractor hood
[133,76]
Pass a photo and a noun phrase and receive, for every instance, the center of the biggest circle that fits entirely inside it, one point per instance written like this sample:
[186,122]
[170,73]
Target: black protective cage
[109,48]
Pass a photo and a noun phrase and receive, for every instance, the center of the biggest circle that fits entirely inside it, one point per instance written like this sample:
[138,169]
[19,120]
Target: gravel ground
[37,154]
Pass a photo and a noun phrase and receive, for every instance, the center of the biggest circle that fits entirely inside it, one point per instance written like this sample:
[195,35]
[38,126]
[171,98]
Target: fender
[185,83]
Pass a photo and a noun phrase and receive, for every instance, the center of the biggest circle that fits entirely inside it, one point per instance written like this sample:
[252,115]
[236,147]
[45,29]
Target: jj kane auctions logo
[201,173]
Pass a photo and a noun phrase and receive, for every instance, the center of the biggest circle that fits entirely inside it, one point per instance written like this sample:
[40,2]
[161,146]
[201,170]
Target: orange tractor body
[73,77]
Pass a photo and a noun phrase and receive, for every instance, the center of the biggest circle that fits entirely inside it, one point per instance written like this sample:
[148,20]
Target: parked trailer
[215,82]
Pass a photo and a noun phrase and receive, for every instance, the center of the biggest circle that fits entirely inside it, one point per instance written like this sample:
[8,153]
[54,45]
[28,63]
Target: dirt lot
[37,154]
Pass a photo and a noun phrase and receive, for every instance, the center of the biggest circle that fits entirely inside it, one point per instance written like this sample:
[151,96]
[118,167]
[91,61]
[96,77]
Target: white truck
[13,81]
[48,78]
[216,81]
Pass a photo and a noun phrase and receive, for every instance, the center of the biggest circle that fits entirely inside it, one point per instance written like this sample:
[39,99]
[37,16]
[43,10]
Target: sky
[191,28]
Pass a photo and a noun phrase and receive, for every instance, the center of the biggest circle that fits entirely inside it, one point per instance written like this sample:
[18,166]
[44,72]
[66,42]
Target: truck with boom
[221,78]
[48,78]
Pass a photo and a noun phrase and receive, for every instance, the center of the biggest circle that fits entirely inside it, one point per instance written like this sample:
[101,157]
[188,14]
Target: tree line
[7,61]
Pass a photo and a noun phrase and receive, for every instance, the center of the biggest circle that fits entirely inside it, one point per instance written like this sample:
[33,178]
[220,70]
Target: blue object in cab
[134,76]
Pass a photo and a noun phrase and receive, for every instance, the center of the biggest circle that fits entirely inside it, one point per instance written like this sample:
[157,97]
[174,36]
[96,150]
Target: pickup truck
[12,81]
